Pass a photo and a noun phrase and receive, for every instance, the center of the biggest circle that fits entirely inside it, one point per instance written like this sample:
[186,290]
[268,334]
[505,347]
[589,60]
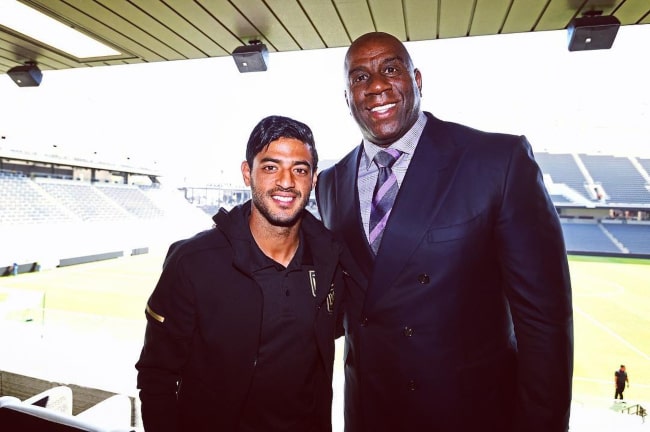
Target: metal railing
[636,410]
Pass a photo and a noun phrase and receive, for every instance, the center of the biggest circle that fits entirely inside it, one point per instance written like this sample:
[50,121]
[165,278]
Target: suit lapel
[351,226]
[430,171]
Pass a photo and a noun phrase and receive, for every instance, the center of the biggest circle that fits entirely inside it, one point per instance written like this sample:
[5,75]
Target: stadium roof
[144,31]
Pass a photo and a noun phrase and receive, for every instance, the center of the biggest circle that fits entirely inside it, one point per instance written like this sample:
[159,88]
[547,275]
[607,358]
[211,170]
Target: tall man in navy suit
[462,320]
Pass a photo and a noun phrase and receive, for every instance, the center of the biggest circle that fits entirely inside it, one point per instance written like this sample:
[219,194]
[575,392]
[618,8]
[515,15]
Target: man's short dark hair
[274,127]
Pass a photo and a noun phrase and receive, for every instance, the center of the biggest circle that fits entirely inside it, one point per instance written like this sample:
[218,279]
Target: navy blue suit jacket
[463,321]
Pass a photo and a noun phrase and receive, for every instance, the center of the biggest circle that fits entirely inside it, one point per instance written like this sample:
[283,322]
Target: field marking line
[611,288]
[611,332]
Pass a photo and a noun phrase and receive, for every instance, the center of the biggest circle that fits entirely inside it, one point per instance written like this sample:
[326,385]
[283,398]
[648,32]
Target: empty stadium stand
[83,200]
[49,222]
[596,196]
[635,237]
[645,164]
[23,202]
[607,237]
[588,237]
[132,199]
[562,168]
[622,182]
[603,180]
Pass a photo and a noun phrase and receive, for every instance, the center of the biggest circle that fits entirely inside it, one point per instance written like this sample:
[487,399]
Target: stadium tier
[47,222]
[601,180]
[603,202]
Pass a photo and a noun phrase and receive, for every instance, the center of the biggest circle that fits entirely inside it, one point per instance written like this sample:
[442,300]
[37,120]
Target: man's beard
[260,202]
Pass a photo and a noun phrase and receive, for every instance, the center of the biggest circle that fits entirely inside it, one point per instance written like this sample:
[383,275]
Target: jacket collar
[430,170]
[319,241]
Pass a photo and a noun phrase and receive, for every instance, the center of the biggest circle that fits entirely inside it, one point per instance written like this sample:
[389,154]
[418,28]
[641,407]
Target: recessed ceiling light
[47,30]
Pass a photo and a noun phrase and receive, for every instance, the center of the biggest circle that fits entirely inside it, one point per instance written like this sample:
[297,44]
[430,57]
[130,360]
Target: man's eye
[359,78]
[391,70]
[268,168]
[302,171]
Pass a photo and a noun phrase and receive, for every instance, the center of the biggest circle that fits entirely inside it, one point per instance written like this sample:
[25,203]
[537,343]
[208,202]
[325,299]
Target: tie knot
[386,158]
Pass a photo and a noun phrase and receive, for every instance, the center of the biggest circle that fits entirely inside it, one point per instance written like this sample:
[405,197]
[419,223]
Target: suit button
[408,331]
[364,321]
[411,385]
[423,278]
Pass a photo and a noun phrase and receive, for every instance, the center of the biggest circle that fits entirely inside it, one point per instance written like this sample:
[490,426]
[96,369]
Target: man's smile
[382,108]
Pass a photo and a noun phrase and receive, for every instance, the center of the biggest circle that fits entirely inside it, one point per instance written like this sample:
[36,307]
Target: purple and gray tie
[383,196]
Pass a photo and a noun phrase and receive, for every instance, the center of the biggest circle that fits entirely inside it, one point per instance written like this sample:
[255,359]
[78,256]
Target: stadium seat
[47,412]
[114,412]
[57,398]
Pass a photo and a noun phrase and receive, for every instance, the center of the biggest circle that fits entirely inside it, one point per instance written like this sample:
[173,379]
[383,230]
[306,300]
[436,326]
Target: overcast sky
[193,118]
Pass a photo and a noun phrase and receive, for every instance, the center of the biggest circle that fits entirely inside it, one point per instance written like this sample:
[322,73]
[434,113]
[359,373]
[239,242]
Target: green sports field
[612,326]
[97,309]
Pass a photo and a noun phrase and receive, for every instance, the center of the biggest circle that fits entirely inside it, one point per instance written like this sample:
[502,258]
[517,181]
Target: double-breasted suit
[463,320]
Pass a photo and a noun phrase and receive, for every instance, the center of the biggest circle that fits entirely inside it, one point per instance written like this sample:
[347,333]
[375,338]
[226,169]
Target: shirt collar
[406,144]
[259,261]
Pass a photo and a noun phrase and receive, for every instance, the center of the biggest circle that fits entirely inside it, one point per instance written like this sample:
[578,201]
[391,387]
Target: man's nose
[377,84]
[285,178]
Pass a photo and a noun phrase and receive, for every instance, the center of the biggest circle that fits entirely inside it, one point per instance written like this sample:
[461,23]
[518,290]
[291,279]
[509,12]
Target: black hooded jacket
[203,326]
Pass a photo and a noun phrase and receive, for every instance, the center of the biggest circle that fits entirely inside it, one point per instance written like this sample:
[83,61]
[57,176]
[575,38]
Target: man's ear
[314,180]
[418,80]
[347,101]
[246,173]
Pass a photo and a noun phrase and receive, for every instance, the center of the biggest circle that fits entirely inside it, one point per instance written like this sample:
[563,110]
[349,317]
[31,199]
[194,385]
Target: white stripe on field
[612,333]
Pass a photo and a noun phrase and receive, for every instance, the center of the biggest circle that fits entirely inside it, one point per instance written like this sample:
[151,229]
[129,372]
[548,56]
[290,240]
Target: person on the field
[620,380]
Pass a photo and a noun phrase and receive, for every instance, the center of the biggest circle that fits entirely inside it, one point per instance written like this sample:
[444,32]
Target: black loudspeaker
[251,58]
[28,75]
[593,32]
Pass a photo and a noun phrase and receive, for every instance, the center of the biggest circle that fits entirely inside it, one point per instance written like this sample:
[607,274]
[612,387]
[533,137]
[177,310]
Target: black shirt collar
[259,261]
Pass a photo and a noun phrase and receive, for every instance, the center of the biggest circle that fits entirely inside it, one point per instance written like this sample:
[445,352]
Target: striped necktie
[383,195]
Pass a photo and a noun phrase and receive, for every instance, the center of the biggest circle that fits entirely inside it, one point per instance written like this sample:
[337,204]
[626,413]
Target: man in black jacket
[241,325]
